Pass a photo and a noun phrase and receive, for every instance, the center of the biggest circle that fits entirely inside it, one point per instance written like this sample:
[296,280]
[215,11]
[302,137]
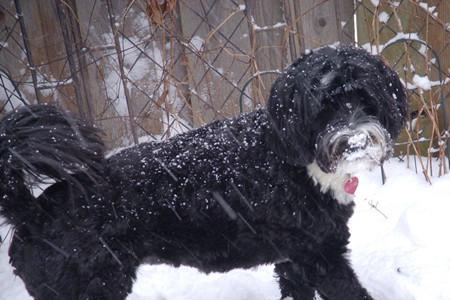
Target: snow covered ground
[400,250]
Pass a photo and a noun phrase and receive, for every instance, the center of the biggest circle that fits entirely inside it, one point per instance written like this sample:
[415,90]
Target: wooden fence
[150,68]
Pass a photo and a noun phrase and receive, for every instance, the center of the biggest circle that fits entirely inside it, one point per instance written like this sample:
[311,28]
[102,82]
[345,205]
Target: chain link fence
[149,69]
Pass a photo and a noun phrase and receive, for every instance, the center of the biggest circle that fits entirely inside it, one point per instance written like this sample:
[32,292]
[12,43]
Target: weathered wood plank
[268,34]
[141,56]
[217,48]
[46,45]
[322,23]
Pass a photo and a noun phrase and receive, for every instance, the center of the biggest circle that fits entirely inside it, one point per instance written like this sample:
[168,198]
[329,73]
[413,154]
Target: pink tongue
[351,185]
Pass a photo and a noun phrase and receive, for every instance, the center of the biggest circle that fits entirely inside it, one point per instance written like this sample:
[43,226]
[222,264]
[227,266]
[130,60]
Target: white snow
[403,35]
[400,249]
[422,82]
[383,17]
[197,43]
[375,2]
[257,28]
[358,140]
[428,9]
[376,49]
[402,252]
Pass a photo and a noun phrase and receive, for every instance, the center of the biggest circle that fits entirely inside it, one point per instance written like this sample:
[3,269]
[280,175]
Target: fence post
[26,45]
[267,32]
[78,67]
[181,72]
[123,76]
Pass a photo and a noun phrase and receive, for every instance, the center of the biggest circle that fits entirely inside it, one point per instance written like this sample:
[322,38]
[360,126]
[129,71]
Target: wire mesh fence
[414,37]
[149,69]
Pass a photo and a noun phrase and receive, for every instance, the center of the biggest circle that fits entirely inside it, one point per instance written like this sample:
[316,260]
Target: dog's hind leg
[292,283]
[108,270]
[110,279]
[107,282]
[114,285]
[47,274]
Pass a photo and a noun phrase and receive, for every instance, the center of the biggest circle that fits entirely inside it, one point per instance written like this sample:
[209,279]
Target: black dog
[271,186]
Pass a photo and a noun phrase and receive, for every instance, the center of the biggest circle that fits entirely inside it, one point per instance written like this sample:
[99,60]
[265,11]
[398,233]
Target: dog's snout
[358,141]
[352,143]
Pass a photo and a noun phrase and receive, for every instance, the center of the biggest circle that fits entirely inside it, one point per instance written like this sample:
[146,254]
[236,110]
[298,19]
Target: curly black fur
[235,193]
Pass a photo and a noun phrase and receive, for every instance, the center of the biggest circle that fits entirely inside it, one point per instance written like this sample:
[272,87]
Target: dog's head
[335,107]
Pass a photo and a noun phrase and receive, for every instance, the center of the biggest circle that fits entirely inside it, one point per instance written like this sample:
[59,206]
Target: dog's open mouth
[359,161]
[342,180]
[342,183]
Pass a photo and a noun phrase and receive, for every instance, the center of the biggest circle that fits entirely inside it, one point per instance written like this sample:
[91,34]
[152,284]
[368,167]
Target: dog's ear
[291,109]
[393,113]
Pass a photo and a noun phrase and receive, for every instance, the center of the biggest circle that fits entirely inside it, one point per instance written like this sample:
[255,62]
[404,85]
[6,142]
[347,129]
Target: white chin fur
[334,182]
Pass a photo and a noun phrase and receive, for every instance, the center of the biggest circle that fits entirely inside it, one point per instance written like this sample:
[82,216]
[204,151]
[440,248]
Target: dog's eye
[374,139]
[341,146]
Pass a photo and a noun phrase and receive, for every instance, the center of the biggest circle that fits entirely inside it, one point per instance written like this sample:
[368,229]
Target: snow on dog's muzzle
[365,143]
[346,150]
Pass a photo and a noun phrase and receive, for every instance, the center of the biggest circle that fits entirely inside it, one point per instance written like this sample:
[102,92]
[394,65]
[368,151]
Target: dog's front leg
[293,281]
[340,283]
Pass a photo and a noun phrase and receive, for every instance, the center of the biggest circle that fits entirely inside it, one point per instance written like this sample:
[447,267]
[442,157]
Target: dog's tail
[38,143]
